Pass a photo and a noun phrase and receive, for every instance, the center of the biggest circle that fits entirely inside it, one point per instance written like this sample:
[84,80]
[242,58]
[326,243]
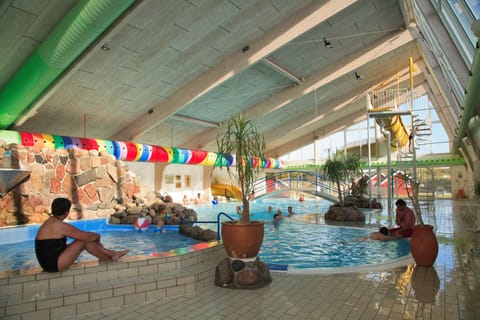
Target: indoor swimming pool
[289,243]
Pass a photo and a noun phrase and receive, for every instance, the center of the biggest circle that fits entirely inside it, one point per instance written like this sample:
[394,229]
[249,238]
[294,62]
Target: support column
[159,169]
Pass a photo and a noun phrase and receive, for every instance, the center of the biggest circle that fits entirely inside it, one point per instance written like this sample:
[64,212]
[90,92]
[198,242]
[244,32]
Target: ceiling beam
[285,32]
[327,124]
[308,138]
[319,79]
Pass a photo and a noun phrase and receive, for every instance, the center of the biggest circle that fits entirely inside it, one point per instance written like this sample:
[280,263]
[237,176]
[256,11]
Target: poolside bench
[89,287]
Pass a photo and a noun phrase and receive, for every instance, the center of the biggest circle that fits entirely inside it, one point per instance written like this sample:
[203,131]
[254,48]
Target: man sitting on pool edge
[51,248]
[405,220]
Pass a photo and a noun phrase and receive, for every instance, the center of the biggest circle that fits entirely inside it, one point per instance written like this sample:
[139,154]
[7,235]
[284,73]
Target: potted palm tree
[424,244]
[243,238]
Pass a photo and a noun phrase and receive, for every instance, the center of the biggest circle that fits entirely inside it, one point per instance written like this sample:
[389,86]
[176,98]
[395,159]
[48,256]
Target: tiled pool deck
[449,290]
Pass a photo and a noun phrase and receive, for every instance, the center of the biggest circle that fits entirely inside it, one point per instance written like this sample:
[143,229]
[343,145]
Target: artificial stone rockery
[362,202]
[162,211]
[98,185]
[341,213]
[95,182]
[239,274]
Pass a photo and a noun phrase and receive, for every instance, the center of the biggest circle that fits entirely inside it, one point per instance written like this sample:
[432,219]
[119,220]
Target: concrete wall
[178,180]
[145,171]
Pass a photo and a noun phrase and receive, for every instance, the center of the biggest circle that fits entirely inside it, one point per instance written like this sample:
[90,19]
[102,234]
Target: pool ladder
[217,222]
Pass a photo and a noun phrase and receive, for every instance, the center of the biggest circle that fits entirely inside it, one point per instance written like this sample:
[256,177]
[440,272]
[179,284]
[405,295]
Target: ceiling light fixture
[345,36]
[327,43]
[105,47]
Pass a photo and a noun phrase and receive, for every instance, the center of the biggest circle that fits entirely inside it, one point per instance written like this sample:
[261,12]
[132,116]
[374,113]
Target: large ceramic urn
[424,245]
[242,241]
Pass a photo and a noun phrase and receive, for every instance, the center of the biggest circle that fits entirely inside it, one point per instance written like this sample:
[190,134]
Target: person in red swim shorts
[405,220]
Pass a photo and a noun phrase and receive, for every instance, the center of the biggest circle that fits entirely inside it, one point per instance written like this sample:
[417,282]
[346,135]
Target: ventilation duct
[83,24]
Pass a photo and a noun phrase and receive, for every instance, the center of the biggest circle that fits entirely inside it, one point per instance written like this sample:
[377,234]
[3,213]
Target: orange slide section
[399,134]
[226,190]
[394,124]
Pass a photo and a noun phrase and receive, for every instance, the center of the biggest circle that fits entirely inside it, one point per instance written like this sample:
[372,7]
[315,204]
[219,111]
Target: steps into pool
[89,287]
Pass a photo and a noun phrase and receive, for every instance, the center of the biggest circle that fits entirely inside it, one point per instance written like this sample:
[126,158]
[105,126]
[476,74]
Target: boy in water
[382,235]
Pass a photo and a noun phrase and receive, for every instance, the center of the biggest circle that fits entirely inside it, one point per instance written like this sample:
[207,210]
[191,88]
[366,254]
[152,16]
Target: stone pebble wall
[95,182]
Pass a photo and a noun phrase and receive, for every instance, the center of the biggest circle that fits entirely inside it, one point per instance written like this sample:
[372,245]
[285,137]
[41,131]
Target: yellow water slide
[398,133]
[226,190]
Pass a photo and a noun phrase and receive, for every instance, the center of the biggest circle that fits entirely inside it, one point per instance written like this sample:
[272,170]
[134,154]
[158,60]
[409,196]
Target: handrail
[217,222]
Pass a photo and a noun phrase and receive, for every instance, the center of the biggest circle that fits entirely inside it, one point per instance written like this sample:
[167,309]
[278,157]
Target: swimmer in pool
[277,216]
[290,212]
[239,209]
[53,252]
[382,234]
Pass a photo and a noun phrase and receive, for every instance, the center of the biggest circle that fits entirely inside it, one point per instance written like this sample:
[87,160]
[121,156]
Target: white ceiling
[172,63]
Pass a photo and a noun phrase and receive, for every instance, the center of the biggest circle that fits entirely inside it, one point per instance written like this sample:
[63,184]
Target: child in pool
[382,234]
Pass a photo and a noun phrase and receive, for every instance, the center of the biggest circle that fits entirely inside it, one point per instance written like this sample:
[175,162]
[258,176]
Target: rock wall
[95,182]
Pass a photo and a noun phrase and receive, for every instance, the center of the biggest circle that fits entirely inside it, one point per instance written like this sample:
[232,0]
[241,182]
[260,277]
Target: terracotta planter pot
[424,245]
[242,240]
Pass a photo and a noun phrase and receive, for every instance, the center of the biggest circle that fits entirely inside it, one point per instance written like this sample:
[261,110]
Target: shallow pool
[21,255]
[288,244]
[306,246]
[259,208]
[300,246]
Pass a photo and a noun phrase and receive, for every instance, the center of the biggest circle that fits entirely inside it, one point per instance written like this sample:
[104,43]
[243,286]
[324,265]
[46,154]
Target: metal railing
[213,221]
[389,100]
[302,181]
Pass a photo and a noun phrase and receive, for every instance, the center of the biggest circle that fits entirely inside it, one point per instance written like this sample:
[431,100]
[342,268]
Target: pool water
[306,246]
[300,246]
[288,243]
[259,208]
[21,255]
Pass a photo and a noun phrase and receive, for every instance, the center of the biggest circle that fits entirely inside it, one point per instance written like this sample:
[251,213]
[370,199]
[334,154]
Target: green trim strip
[440,162]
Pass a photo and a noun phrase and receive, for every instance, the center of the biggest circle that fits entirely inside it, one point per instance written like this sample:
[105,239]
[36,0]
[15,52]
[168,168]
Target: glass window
[431,38]
[474,6]
[464,18]
[307,152]
[433,138]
